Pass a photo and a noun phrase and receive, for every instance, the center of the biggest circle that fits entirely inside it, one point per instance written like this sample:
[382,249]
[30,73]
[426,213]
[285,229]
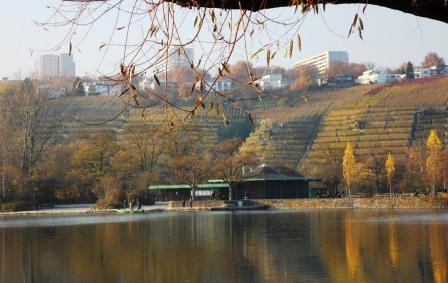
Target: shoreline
[323,203]
[77,210]
[270,204]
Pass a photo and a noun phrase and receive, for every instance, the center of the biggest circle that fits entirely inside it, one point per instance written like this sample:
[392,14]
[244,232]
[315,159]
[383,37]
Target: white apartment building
[67,66]
[177,58]
[323,60]
[378,76]
[47,66]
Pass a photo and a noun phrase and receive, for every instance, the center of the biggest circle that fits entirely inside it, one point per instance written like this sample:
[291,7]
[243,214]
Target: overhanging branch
[431,9]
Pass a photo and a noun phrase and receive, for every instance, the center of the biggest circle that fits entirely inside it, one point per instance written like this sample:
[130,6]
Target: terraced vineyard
[205,125]
[370,131]
[84,116]
[282,144]
[427,120]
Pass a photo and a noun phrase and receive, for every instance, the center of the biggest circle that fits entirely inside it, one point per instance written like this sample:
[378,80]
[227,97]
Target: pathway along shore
[77,209]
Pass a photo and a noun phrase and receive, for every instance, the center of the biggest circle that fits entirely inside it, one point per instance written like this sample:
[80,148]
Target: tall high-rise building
[67,66]
[177,58]
[323,60]
[47,66]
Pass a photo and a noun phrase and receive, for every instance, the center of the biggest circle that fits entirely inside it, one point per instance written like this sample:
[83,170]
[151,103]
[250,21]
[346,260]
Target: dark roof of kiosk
[262,173]
[205,186]
[267,173]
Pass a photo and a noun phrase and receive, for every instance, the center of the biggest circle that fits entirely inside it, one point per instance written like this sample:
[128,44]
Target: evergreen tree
[78,88]
[410,71]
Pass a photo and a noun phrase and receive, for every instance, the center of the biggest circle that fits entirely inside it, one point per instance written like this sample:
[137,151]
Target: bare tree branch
[432,9]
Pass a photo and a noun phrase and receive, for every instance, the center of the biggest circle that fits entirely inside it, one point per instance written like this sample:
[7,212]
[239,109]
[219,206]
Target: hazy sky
[390,37]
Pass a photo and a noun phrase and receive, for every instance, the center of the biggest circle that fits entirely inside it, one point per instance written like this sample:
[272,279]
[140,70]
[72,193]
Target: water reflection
[309,246]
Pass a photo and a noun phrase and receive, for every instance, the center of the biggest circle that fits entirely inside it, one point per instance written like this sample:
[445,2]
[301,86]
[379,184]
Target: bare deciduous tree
[34,122]
[230,163]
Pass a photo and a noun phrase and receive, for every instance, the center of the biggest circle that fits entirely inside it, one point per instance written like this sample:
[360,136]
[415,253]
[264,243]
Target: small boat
[128,211]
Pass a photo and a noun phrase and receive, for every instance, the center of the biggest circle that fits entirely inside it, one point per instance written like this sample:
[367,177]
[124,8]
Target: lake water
[300,246]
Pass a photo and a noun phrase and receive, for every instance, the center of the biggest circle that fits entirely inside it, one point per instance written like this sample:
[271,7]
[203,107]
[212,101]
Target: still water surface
[300,246]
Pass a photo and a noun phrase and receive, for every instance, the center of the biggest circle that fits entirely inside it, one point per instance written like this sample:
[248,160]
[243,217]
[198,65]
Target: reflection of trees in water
[438,244]
[313,246]
[381,252]
[183,249]
[355,270]
[393,245]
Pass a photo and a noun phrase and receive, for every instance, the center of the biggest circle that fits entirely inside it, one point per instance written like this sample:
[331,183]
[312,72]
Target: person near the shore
[191,202]
[131,204]
[213,195]
[139,204]
[183,203]
[125,204]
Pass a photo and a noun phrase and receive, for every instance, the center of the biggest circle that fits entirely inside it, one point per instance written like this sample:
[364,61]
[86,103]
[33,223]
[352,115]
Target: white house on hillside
[271,81]
[102,88]
[422,72]
[220,85]
[377,76]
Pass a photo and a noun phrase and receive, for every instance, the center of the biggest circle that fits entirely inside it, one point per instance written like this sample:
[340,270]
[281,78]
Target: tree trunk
[433,181]
[193,192]
[390,189]
[3,171]
[230,191]
[444,177]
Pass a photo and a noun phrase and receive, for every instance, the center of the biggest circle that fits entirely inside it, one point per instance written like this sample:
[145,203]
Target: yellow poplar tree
[434,149]
[390,170]
[348,166]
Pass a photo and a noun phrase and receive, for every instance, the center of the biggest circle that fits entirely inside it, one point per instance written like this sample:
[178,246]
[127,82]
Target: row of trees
[431,59]
[107,167]
[425,169]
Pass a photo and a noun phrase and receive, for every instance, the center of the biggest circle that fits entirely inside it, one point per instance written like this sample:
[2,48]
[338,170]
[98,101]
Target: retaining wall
[420,202]
[411,202]
[199,204]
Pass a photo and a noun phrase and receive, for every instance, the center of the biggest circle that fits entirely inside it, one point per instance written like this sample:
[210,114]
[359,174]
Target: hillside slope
[376,119]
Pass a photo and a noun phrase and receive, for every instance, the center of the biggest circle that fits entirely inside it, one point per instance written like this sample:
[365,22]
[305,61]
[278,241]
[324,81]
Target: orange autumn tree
[348,166]
[433,159]
[390,171]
